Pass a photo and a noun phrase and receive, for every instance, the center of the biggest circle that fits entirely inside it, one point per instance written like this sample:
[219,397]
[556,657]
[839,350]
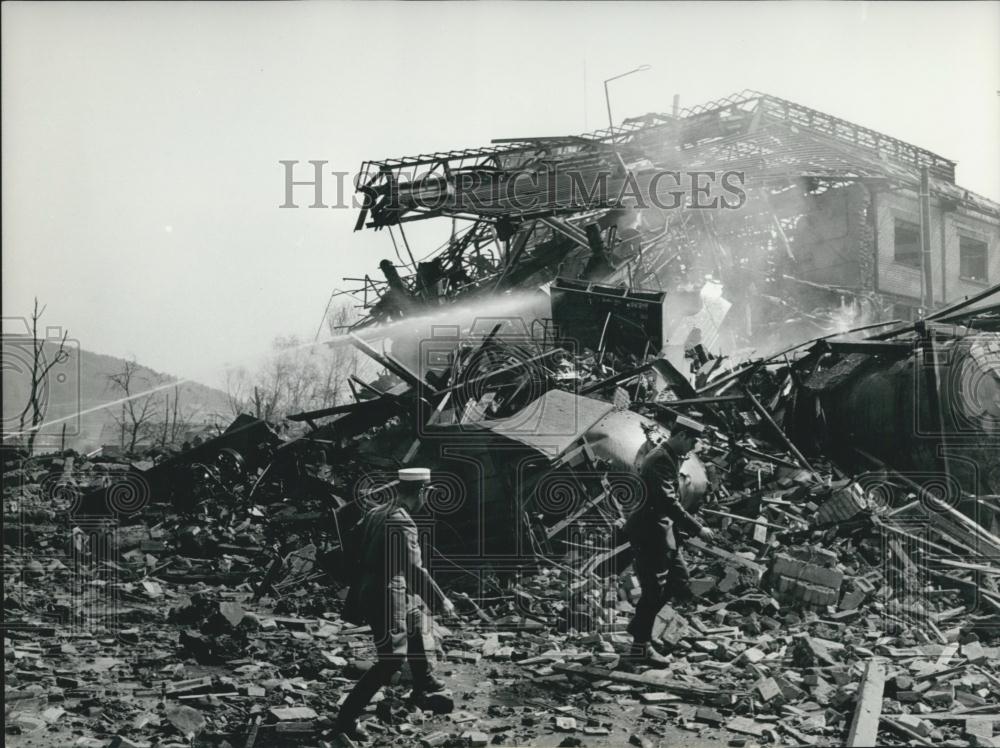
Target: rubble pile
[847,596]
[822,614]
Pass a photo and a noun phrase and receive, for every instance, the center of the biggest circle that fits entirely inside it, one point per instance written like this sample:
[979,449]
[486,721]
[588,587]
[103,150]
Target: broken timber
[674,686]
[864,725]
[777,429]
[728,556]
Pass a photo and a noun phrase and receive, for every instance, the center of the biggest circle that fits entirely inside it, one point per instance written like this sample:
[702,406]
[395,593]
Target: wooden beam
[980,592]
[922,542]
[873,347]
[741,518]
[938,512]
[696,401]
[864,725]
[908,732]
[390,363]
[366,386]
[600,558]
[566,521]
[732,557]
[941,673]
[969,567]
[746,370]
[946,654]
[646,679]
[334,410]
[781,434]
[251,740]
[613,380]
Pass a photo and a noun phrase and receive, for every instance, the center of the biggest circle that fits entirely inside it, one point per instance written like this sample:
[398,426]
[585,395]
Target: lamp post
[607,98]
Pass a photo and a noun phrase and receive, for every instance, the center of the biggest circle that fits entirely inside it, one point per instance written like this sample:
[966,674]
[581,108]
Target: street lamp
[607,98]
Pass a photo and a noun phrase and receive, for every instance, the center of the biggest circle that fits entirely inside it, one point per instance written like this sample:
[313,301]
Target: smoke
[520,314]
[848,316]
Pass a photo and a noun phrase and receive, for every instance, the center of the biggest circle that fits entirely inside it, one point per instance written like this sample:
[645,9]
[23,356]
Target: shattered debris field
[847,464]
[198,598]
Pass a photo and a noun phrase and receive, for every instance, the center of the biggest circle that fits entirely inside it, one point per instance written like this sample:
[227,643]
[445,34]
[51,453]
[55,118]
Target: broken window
[906,243]
[972,259]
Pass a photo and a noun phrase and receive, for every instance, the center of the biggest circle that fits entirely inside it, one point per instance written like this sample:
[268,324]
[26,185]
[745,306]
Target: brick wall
[946,228]
[962,222]
[893,277]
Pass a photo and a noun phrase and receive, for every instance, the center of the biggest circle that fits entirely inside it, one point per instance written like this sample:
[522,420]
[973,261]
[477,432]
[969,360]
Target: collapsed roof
[771,139]
[600,207]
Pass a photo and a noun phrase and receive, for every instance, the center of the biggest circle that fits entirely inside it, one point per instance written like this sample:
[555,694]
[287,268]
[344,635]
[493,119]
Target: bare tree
[246,393]
[259,394]
[296,376]
[177,419]
[40,368]
[236,391]
[342,360]
[138,407]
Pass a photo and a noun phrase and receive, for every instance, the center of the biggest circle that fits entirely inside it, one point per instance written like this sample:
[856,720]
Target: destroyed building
[840,227]
[531,363]
[832,218]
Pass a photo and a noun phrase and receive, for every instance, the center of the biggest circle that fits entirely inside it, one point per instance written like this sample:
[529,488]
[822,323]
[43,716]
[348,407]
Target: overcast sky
[141,142]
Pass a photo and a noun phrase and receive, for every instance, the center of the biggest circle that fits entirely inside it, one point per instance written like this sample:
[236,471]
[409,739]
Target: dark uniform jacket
[389,577]
[652,528]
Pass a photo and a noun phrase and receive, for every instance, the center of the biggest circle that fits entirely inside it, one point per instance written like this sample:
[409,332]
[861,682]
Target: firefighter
[653,530]
[391,576]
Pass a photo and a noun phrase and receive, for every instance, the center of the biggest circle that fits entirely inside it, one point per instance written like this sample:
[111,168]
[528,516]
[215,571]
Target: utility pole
[925,238]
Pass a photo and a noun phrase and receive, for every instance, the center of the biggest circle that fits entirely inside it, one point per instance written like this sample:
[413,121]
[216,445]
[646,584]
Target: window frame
[964,233]
[915,227]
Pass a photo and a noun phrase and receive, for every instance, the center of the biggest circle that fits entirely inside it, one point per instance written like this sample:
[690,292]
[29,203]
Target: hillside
[79,387]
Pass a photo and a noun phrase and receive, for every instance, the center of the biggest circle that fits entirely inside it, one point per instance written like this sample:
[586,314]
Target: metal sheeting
[552,423]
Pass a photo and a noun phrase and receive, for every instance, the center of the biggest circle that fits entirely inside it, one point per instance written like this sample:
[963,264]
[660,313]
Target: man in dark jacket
[390,577]
[652,530]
